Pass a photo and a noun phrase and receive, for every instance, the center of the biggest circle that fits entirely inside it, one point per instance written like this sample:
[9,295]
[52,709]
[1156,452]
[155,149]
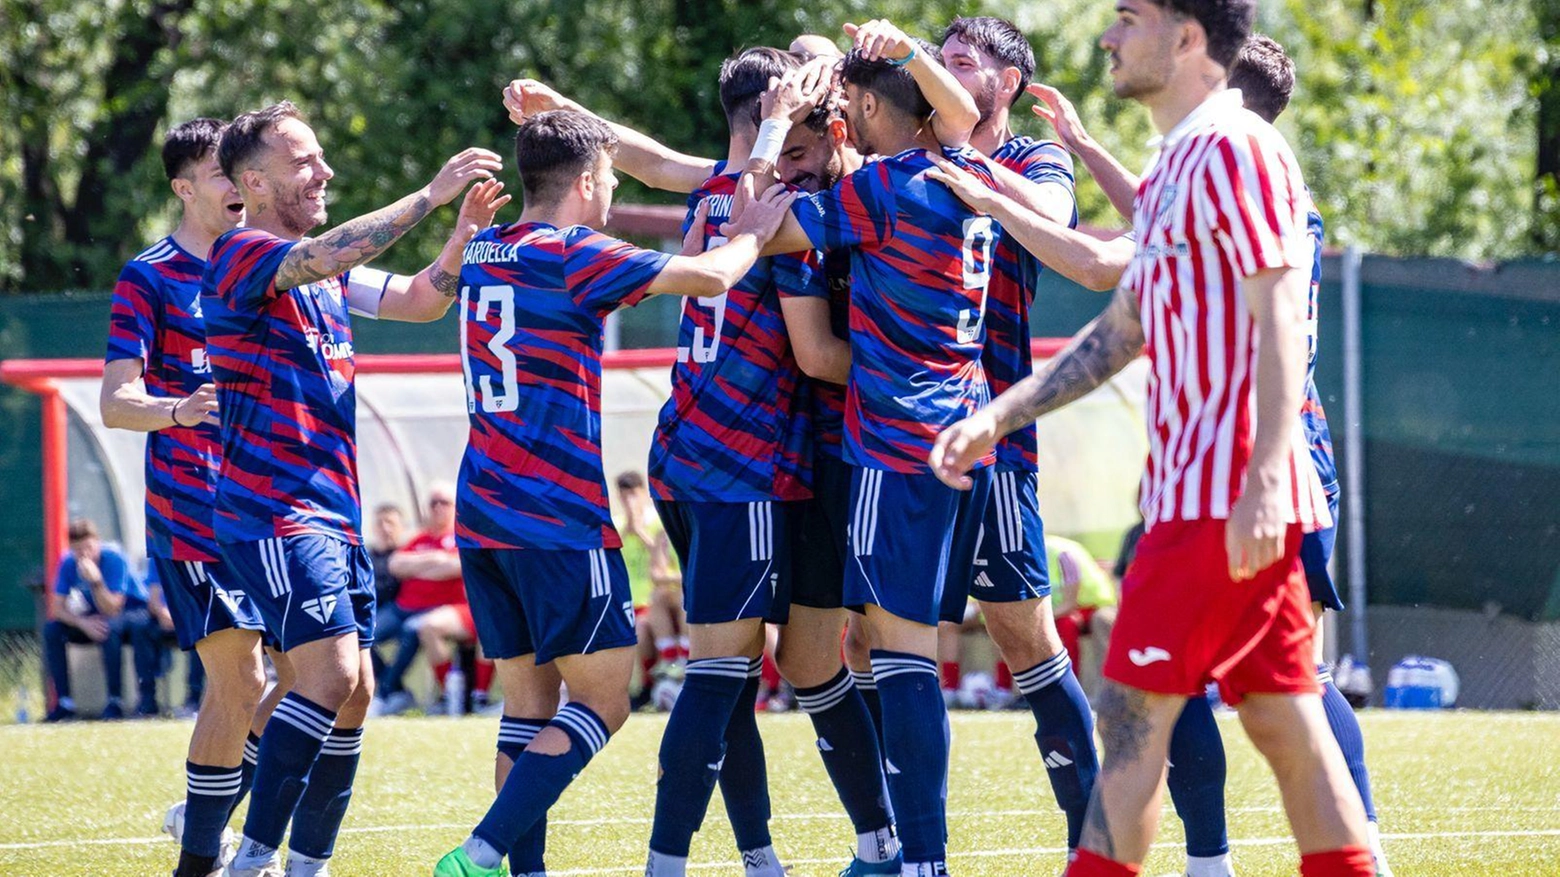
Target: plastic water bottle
[22,699]
[455,692]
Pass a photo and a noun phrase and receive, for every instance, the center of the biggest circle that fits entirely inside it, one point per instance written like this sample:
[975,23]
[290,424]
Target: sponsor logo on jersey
[328,346]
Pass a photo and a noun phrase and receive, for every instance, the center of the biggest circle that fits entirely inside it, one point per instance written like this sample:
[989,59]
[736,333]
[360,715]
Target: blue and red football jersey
[826,276]
[920,273]
[731,430]
[283,364]
[533,299]
[1312,417]
[1007,357]
[156,318]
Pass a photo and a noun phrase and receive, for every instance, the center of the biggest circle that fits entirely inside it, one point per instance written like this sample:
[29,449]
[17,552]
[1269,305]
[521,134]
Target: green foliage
[1416,127]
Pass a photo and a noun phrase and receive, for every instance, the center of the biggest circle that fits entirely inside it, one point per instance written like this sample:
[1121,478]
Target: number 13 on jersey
[978,237]
[504,395]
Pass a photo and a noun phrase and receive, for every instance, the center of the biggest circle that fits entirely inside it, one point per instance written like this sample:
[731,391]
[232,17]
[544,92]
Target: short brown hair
[189,144]
[81,528]
[1264,75]
[553,148]
[244,137]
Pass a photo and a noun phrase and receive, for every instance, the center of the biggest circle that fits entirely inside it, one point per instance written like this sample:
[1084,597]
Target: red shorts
[1183,622]
[463,609]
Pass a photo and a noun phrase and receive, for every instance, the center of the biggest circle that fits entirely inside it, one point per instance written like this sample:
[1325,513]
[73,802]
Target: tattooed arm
[1104,347]
[427,295]
[357,241]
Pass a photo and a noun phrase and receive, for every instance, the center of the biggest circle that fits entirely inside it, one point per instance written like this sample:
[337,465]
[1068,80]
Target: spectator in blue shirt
[97,600]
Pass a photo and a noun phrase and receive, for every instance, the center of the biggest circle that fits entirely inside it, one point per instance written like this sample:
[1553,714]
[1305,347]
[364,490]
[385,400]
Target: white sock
[299,865]
[253,855]
[1373,834]
[1209,866]
[877,846]
[662,865]
[762,862]
[482,853]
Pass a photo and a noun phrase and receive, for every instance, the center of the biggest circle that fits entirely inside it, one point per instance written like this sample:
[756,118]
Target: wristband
[173,413]
[901,61]
[771,137]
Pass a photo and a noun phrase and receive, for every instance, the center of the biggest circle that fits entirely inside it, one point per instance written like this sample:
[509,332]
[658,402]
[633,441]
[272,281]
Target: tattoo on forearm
[352,243]
[1104,348]
[443,280]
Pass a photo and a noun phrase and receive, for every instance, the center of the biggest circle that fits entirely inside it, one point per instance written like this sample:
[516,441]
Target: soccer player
[287,514]
[992,60]
[157,379]
[921,264]
[1217,589]
[544,569]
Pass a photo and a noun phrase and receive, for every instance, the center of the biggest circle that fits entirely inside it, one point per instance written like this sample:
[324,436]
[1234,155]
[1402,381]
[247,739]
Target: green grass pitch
[1461,794]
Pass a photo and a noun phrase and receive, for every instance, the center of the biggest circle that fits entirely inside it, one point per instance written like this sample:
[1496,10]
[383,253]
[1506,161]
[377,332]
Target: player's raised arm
[358,241]
[715,271]
[427,295]
[954,114]
[1120,185]
[1099,351]
[1083,258]
[638,155]
[787,103]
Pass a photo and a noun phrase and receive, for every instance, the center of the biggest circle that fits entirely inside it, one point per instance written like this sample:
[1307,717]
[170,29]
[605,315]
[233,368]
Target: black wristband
[173,413]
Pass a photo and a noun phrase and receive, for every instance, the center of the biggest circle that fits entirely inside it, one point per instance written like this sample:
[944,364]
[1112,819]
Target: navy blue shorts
[1315,551]
[731,566]
[819,555]
[912,543]
[306,588]
[548,603]
[202,601]
[1010,562]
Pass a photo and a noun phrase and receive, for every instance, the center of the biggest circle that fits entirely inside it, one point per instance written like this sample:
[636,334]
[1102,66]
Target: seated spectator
[161,640]
[656,585]
[428,568]
[1085,601]
[98,600]
[388,536]
[438,631]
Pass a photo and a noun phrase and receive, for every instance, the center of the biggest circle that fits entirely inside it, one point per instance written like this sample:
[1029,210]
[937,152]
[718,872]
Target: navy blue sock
[1064,729]
[527,854]
[692,750]
[744,775]
[1346,727]
[288,750]
[324,802]
[915,731]
[867,685]
[847,740]
[246,776]
[1196,779]
[537,781]
[209,793]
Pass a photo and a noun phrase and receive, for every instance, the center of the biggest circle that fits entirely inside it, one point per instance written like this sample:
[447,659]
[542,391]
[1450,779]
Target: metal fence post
[1354,454]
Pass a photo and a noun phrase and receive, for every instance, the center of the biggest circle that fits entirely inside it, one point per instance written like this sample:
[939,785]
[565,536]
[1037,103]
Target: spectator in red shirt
[428,569]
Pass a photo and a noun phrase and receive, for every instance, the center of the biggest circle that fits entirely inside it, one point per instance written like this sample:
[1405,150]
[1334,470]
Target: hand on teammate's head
[880,40]
[464,167]
[524,98]
[800,91]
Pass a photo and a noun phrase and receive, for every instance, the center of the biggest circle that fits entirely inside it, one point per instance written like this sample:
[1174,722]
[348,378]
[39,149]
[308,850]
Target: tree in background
[1416,121]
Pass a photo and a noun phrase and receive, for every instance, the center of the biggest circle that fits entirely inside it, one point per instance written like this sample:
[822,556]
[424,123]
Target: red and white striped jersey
[1222,200]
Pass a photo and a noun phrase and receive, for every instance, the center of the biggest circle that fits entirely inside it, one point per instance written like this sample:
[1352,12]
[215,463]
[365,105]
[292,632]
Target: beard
[986,101]
[858,134]
[297,213]
[1150,76]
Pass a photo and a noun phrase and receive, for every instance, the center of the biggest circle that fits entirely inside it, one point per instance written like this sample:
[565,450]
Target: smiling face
[982,75]
[813,160]
[1142,42]
[210,199]
[293,175]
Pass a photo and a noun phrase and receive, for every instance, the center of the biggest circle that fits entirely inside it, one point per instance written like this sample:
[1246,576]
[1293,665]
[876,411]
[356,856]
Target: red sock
[484,675]
[1004,676]
[669,654]
[950,675]
[440,671]
[1088,864]
[771,674]
[1347,862]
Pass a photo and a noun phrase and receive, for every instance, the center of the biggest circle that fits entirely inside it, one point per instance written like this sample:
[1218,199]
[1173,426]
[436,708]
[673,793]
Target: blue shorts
[819,553]
[1010,561]
[731,566]
[306,588]
[548,603]
[912,543]
[202,601]
[1315,551]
